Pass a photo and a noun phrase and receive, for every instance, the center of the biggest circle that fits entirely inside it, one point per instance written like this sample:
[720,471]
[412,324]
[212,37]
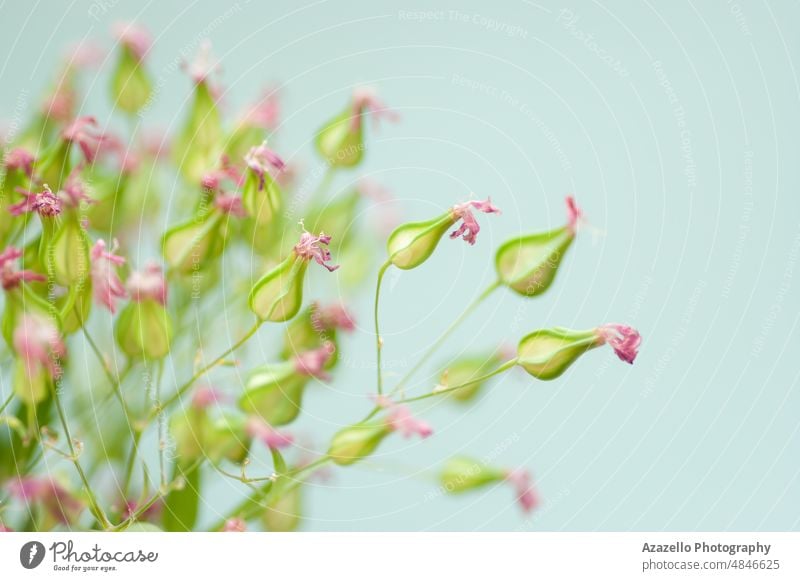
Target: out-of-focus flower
[10,275]
[312,363]
[230,204]
[134,37]
[203,65]
[461,474]
[74,193]
[148,284]
[144,327]
[331,317]
[265,113]
[106,284]
[39,345]
[59,503]
[312,247]
[20,159]
[82,132]
[234,525]
[269,436]
[524,490]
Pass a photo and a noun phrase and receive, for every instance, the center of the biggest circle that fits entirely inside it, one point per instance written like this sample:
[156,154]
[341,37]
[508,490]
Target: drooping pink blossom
[309,247]
[44,203]
[230,204]
[10,276]
[272,438]
[523,486]
[20,158]
[60,104]
[469,225]
[148,284]
[331,317]
[84,55]
[623,339]
[366,101]
[265,113]
[207,396]
[38,343]
[55,499]
[73,193]
[312,363]
[106,284]
[234,525]
[574,215]
[5,529]
[203,65]
[134,36]
[82,131]
[213,180]
[262,160]
[400,419]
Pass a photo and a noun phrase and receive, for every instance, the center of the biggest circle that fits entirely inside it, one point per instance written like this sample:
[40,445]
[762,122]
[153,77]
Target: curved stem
[504,367]
[5,403]
[97,511]
[185,387]
[378,339]
[443,337]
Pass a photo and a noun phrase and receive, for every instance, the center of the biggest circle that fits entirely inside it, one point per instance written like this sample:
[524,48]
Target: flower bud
[144,327]
[278,295]
[200,143]
[461,474]
[284,511]
[341,140]
[226,437]
[412,244]
[261,195]
[130,84]
[547,353]
[528,264]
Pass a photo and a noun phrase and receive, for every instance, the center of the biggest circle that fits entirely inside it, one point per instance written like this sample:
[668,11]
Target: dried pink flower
[74,191]
[309,247]
[312,363]
[625,340]
[9,275]
[134,36]
[574,214]
[469,226]
[37,341]
[262,160]
[272,438]
[331,317]
[230,204]
[45,203]
[523,486]
[265,113]
[82,132]
[148,283]
[400,419]
[365,100]
[106,284]
[20,159]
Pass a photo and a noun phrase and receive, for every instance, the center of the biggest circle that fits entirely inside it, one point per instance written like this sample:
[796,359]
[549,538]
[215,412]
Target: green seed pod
[284,511]
[274,393]
[461,474]
[31,385]
[130,84]
[225,437]
[200,143]
[278,295]
[528,264]
[67,253]
[187,429]
[190,246]
[547,353]
[412,244]
[261,197]
[144,330]
[358,441]
[466,369]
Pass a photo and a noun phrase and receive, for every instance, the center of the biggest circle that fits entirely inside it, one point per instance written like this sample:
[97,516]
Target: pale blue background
[698,239]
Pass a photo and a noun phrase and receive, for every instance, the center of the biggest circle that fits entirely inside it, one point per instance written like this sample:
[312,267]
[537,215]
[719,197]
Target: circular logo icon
[31,554]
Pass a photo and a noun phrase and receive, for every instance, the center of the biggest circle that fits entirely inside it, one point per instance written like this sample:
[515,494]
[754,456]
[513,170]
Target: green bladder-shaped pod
[358,441]
[528,264]
[284,509]
[131,86]
[190,246]
[274,393]
[225,437]
[462,474]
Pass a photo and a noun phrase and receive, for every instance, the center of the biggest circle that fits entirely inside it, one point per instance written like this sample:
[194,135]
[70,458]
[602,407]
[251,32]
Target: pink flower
[574,215]
[309,247]
[85,55]
[624,339]
[264,114]
[469,226]
[60,105]
[523,486]
[107,286]
[20,159]
[331,317]
[133,36]
[148,284]
[50,494]
[213,179]
[207,396]
[74,190]
[234,525]
[312,363]
[37,342]
[45,203]
[5,529]
[272,438]
[365,100]
[203,65]
[230,204]
[91,143]
[261,159]
[9,275]
[401,420]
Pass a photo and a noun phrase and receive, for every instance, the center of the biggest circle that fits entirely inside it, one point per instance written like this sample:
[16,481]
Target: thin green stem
[161,439]
[126,486]
[378,339]
[158,409]
[5,403]
[97,511]
[443,337]
[504,367]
